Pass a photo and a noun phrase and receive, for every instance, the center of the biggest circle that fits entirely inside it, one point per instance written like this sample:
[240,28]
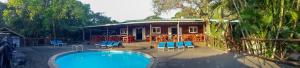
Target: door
[174,31]
[139,34]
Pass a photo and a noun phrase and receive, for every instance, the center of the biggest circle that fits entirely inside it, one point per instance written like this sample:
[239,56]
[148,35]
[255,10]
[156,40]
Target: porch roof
[149,22]
[4,30]
[157,21]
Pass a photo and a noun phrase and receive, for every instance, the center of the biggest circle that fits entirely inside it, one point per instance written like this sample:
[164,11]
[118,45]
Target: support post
[127,30]
[127,39]
[106,34]
[150,36]
[90,34]
[83,34]
[178,31]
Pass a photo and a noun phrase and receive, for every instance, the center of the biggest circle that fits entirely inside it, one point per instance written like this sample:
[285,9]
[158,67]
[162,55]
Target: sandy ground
[200,57]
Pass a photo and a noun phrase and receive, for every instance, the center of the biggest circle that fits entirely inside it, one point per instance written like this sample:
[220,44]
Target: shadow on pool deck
[216,61]
[201,57]
[206,59]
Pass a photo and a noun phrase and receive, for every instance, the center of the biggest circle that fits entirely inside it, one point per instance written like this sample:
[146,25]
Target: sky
[3,1]
[122,10]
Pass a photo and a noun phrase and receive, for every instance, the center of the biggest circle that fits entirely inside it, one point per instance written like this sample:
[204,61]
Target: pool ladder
[77,47]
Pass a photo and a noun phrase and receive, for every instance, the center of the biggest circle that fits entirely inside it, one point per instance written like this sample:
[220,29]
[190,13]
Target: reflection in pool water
[103,59]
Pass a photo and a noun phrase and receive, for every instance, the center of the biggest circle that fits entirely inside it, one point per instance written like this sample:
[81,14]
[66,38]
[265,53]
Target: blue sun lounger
[57,42]
[189,44]
[114,44]
[161,45]
[60,42]
[170,45]
[109,43]
[102,44]
[54,43]
[179,45]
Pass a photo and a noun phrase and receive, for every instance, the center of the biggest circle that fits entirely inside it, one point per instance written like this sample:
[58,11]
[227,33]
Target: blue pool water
[103,59]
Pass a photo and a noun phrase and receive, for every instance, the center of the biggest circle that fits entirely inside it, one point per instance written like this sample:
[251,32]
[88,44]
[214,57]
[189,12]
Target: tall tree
[153,17]
[50,17]
[262,19]
[2,7]
[187,13]
[205,9]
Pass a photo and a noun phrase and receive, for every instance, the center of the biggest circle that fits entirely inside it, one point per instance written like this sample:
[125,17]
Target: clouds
[122,10]
[3,1]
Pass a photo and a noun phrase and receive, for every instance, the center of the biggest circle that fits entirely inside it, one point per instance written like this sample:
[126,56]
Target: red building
[149,30]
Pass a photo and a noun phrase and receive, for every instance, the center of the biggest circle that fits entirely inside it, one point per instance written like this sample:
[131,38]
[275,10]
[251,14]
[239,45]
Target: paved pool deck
[200,57]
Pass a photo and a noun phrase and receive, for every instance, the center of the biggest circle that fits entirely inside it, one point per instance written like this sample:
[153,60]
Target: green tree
[187,13]
[41,18]
[205,9]
[270,20]
[98,18]
[259,19]
[153,17]
[2,7]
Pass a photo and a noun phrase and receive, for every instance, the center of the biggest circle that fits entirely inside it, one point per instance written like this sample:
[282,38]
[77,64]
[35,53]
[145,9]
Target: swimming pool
[102,59]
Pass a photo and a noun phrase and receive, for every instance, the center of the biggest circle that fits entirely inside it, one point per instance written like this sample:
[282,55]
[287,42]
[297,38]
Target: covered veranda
[151,31]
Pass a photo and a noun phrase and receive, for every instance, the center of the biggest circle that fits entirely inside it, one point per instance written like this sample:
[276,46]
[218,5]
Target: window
[123,31]
[193,29]
[156,30]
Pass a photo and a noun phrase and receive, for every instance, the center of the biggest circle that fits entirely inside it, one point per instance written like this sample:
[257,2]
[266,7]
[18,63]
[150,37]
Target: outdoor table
[128,39]
[197,39]
[158,39]
[125,39]
[148,38]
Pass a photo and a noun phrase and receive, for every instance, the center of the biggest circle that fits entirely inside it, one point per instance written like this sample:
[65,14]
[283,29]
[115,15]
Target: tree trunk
[298,5]
[295,22]
[53,29]
[279,26]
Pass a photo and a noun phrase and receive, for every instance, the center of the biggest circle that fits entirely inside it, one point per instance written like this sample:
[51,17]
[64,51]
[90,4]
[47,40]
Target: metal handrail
[76,47]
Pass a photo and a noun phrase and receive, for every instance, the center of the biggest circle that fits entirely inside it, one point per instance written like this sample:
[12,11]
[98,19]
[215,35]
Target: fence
[219,43]
[271,49]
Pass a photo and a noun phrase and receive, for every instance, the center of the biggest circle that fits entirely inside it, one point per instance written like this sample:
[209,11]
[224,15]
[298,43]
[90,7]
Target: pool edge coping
[51,61]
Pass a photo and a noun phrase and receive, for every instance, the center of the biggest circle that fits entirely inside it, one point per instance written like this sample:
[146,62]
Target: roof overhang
[158,21]
[149,22]
[9,30]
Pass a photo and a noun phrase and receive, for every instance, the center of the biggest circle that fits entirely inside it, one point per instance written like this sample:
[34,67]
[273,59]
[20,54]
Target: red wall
[185,29]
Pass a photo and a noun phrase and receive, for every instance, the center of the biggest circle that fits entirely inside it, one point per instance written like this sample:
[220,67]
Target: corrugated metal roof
[2,29]
[150,21]
[155,21]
